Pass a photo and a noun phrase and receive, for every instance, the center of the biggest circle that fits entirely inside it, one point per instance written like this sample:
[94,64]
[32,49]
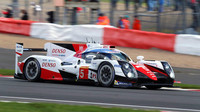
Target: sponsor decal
[52,61]
[118,83]
[19,50]
[80,48]
[61,55]
[106,46]
[118,66]
[152,64]
[83,73]
[94,63]
[19,46]
[93,75]
[44,59]
[44,64]
[18,53]
[59,51]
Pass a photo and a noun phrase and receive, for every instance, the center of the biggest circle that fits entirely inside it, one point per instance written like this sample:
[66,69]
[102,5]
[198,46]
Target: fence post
[74,16]
[158,19]
[65,16]
[15,8]
[91,16]
[112,12]
[57,19]
[184,24]
[41,12]
[26,4]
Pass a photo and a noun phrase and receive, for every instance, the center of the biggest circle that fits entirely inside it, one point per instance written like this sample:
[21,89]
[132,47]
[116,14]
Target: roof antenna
[87,40]
[92,40]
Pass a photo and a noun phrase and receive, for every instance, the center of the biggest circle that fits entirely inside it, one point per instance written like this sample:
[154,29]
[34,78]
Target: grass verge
[7,72]
[50,107]
[187,86]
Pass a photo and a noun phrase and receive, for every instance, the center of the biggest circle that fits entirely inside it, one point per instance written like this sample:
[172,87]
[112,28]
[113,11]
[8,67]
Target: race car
[101,64]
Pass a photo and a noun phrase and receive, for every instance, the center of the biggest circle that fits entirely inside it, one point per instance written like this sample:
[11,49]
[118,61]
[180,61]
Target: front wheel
[32,70]
[106,74]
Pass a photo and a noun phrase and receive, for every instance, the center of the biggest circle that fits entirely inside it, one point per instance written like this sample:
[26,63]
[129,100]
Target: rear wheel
[32,70]
[153,87]
[106,74]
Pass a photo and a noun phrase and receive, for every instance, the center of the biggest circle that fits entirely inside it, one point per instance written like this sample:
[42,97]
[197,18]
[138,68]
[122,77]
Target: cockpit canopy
[106,54]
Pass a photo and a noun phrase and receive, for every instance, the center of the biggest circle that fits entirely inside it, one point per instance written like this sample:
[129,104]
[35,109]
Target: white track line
[102,104]
[1,76]
[7,101]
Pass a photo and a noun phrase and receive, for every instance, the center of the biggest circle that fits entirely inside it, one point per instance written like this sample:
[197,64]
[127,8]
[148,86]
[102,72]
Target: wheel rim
[106,74]
[31,70]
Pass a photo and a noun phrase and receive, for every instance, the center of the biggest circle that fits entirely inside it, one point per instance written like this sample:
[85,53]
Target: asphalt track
[22,90]
[73,93]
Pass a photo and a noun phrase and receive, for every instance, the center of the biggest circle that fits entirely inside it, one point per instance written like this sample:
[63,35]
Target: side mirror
[78,62]
[140,58]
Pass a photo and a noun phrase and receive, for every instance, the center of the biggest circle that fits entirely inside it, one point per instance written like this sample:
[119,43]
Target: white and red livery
[102,64]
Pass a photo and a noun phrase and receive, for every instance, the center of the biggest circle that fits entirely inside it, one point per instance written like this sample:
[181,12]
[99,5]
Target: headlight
[128,69]
[168,69]
[130,74]
[126,66]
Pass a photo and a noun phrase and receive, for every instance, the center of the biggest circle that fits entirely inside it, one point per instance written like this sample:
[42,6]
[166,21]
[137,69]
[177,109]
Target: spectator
[8,13]
[136,5]
[24,15]
[149,5]
[126,22]
[155,5]
[114,3]
[103,20]
[161,5]
[136,24]
[140,4]
[120,23]
[126,2]
[36,11]
[168,3]
[177,5]
[195,8]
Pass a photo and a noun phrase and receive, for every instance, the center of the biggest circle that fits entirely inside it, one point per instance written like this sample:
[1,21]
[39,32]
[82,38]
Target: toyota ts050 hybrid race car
[102,64]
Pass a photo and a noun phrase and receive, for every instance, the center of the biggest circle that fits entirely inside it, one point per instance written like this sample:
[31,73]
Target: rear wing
[19,50]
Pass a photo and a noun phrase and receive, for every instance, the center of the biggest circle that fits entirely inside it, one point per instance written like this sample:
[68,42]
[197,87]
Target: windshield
[119,56]
[113,56]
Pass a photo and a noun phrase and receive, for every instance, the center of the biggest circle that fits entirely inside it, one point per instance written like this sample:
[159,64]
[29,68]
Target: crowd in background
[151,5]
[156,5]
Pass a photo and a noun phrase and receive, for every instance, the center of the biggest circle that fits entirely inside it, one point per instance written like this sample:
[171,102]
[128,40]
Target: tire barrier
[75,33]
[139,39]
[182,43]
[187,44]
[9,25]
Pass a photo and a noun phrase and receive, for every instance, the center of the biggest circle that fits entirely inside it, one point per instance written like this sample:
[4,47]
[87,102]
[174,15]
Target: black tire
[153,87]
[106,74]
[32,70]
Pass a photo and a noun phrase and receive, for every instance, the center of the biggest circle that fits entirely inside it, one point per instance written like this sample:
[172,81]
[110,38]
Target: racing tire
[106,75]
[32,70]
[153,87]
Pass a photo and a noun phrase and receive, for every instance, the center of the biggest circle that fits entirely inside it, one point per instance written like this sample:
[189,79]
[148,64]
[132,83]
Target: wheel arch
[105,62]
